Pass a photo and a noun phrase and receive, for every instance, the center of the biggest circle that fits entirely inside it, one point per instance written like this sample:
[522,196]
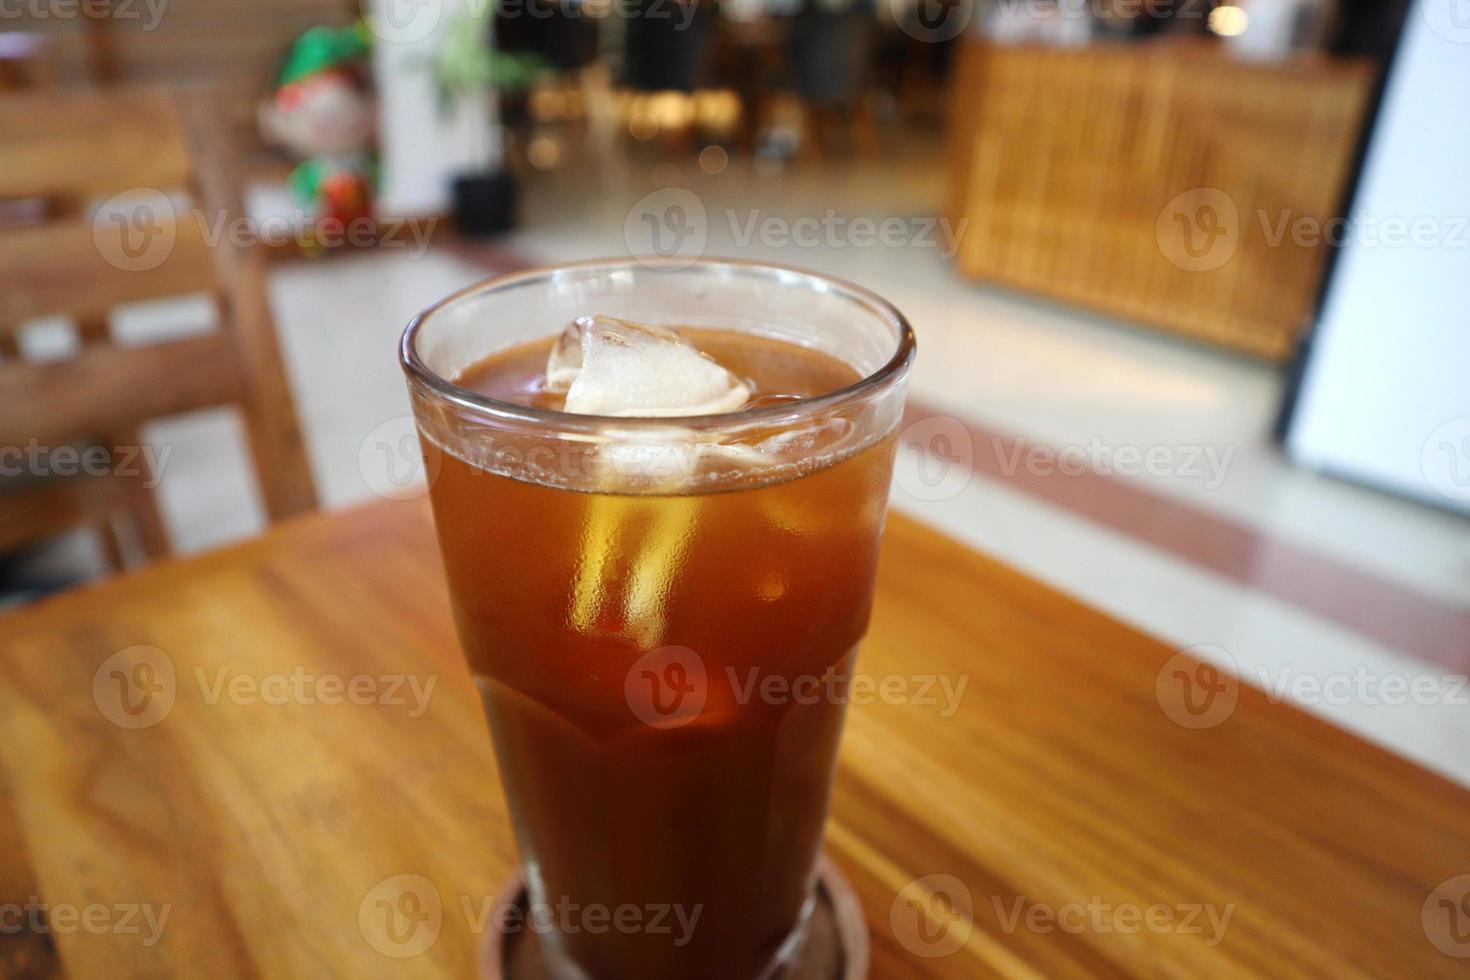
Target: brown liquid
[557,595]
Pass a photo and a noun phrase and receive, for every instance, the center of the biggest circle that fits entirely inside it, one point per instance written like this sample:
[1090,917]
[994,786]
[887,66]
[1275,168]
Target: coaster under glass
[836,945]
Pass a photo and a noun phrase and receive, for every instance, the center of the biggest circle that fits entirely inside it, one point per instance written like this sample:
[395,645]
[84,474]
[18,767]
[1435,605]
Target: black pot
[485,204]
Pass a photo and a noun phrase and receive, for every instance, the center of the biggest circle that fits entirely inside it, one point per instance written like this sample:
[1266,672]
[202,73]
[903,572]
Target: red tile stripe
[1397,617]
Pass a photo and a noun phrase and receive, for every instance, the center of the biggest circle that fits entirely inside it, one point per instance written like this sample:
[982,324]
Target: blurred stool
[665,58]
[832,50]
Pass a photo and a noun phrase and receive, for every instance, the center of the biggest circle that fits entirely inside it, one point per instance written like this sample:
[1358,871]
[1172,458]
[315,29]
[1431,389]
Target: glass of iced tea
[659,490]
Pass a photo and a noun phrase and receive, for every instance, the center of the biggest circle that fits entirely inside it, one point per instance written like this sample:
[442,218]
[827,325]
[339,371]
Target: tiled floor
[1287,578]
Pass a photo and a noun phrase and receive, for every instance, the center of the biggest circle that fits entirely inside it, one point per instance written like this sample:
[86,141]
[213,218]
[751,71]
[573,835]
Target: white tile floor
[1021,366]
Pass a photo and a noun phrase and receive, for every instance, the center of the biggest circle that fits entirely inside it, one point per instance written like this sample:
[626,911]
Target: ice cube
[607,366]
[665,459]
[634,547]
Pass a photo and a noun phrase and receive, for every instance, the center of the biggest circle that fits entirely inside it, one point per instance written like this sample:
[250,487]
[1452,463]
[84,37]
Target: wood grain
[1064,162]
[1059,779]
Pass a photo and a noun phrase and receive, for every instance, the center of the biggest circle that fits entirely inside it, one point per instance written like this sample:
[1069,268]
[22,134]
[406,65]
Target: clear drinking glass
[661,613]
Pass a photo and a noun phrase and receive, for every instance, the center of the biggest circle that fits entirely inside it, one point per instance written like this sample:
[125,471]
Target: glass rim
[441,387]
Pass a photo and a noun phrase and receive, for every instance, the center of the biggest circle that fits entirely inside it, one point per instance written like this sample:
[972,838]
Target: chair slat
[107,388]
[73,143]
[85,268]
[53,506]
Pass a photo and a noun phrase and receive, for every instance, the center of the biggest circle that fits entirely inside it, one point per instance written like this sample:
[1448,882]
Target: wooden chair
[71,151]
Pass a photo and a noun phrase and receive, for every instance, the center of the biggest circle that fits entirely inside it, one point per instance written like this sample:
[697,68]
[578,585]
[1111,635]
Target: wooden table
[273,835]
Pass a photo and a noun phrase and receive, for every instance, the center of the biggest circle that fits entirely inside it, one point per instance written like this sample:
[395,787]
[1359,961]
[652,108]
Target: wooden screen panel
[1070,165]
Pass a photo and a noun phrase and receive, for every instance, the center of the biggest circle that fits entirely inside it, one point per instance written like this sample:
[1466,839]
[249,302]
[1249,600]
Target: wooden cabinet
[1166,183]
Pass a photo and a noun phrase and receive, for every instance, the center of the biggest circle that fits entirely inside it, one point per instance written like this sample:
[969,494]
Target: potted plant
[470,74]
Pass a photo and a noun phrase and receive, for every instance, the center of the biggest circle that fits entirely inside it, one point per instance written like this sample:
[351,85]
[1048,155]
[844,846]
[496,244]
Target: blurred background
[1188,277]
